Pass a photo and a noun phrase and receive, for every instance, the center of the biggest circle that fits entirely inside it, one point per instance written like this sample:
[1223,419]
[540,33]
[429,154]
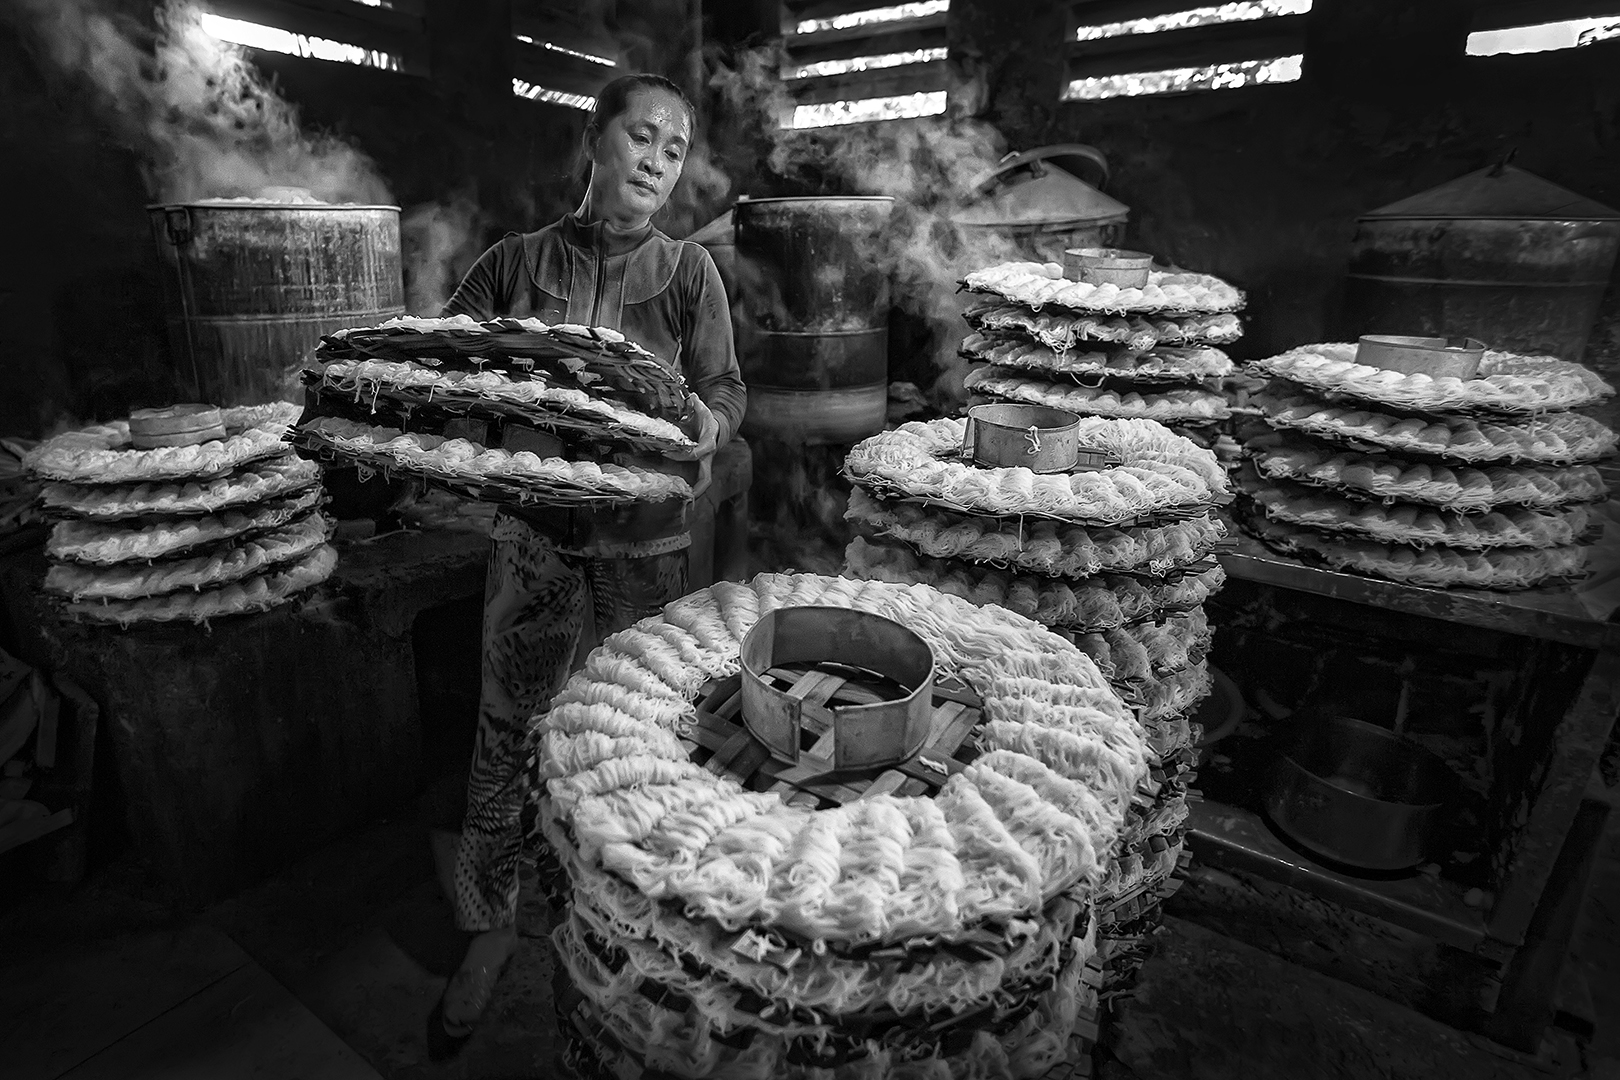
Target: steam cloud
[438,243]
[203,121]
[927,165]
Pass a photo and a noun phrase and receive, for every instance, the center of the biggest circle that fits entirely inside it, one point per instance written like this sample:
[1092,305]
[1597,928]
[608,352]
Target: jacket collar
[592,234]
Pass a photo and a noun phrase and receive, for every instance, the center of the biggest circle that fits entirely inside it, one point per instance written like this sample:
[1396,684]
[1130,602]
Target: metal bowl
[1359,794]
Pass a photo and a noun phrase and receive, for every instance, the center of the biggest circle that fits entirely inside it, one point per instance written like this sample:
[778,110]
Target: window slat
[1501,16]
[566,34]
[827,9]
[871,38]
[556,76]
[812,49]
[1097,12]
[400,35]
[888,82]
[1244,41]
[1194,47]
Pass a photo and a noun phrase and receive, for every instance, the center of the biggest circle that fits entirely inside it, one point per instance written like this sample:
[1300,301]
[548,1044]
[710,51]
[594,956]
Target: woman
[603,265]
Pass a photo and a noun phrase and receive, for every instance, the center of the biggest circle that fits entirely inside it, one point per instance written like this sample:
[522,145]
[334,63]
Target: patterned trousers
[534,616]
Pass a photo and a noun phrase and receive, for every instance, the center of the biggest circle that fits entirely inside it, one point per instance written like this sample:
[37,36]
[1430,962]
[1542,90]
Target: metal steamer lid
[868,734]
[1053,186]
[1498,192]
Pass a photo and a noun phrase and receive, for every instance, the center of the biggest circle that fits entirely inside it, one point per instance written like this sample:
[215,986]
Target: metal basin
[1034,437]
[1359,794]
[1108,266]
[865,736]
[1432,356]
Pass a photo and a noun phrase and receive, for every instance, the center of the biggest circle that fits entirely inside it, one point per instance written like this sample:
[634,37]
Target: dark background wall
[1260,185]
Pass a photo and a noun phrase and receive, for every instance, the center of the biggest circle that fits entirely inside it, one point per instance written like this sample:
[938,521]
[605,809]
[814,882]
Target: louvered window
[386,34]
[561,55]
[1542,26]
[1125,48]
[848,62]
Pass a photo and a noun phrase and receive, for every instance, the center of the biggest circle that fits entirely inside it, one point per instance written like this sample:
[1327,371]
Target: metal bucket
[1359,794]
[250,288]
[1035,437]
[813,316]
[865,736]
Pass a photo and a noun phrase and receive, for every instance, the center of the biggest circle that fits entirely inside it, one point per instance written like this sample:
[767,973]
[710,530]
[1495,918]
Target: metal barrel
[812,316]
[1527,286]
[249,288]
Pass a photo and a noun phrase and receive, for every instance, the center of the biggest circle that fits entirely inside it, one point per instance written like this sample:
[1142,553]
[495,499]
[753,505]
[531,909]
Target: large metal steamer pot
[250,287]
[1500,255]
[1038,204]
[812,316]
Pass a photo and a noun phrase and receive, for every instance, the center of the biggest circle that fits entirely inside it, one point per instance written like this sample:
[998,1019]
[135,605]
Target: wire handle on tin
[1033,437]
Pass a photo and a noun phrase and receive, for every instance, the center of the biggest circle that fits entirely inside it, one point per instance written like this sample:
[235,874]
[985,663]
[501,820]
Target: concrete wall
[1263,185]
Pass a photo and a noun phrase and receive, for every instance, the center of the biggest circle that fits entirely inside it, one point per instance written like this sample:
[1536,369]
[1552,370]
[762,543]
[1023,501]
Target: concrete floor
[361,935]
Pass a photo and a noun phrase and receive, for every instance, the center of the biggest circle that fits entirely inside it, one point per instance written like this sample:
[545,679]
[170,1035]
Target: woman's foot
[473,984]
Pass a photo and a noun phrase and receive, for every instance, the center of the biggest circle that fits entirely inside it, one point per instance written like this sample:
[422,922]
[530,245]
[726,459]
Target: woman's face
[638,157]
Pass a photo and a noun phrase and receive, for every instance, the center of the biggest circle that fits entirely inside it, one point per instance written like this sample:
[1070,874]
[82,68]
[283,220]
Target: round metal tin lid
[1497,192]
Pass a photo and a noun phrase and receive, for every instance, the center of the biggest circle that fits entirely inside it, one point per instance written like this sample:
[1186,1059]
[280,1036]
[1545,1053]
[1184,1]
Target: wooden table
[240,745]
[1541,859]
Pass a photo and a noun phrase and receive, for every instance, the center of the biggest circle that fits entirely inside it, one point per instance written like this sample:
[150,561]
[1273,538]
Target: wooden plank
[1231,837]
[887,783]
[949,739]
[1499,16]
[61,1010]
[885,82]
[1553,614]
[1194,47]
[245,1025]
[811,49]
[1100,12]
[401,35]
[1576,744]
[1526,1004]
[872,33]
[741,755]
[954,689]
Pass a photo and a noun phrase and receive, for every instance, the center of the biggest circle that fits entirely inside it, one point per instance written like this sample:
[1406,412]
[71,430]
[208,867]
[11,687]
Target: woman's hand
[703,453]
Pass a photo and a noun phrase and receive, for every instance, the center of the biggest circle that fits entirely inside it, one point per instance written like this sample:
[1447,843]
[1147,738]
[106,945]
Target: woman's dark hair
[615,98]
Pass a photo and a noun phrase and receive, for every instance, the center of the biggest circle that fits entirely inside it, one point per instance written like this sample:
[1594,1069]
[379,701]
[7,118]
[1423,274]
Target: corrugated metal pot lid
[1040,187]
[1497,192]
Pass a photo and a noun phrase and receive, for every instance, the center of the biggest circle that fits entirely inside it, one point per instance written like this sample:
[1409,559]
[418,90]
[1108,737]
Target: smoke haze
[438,243]
[927,165]
[202,120]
